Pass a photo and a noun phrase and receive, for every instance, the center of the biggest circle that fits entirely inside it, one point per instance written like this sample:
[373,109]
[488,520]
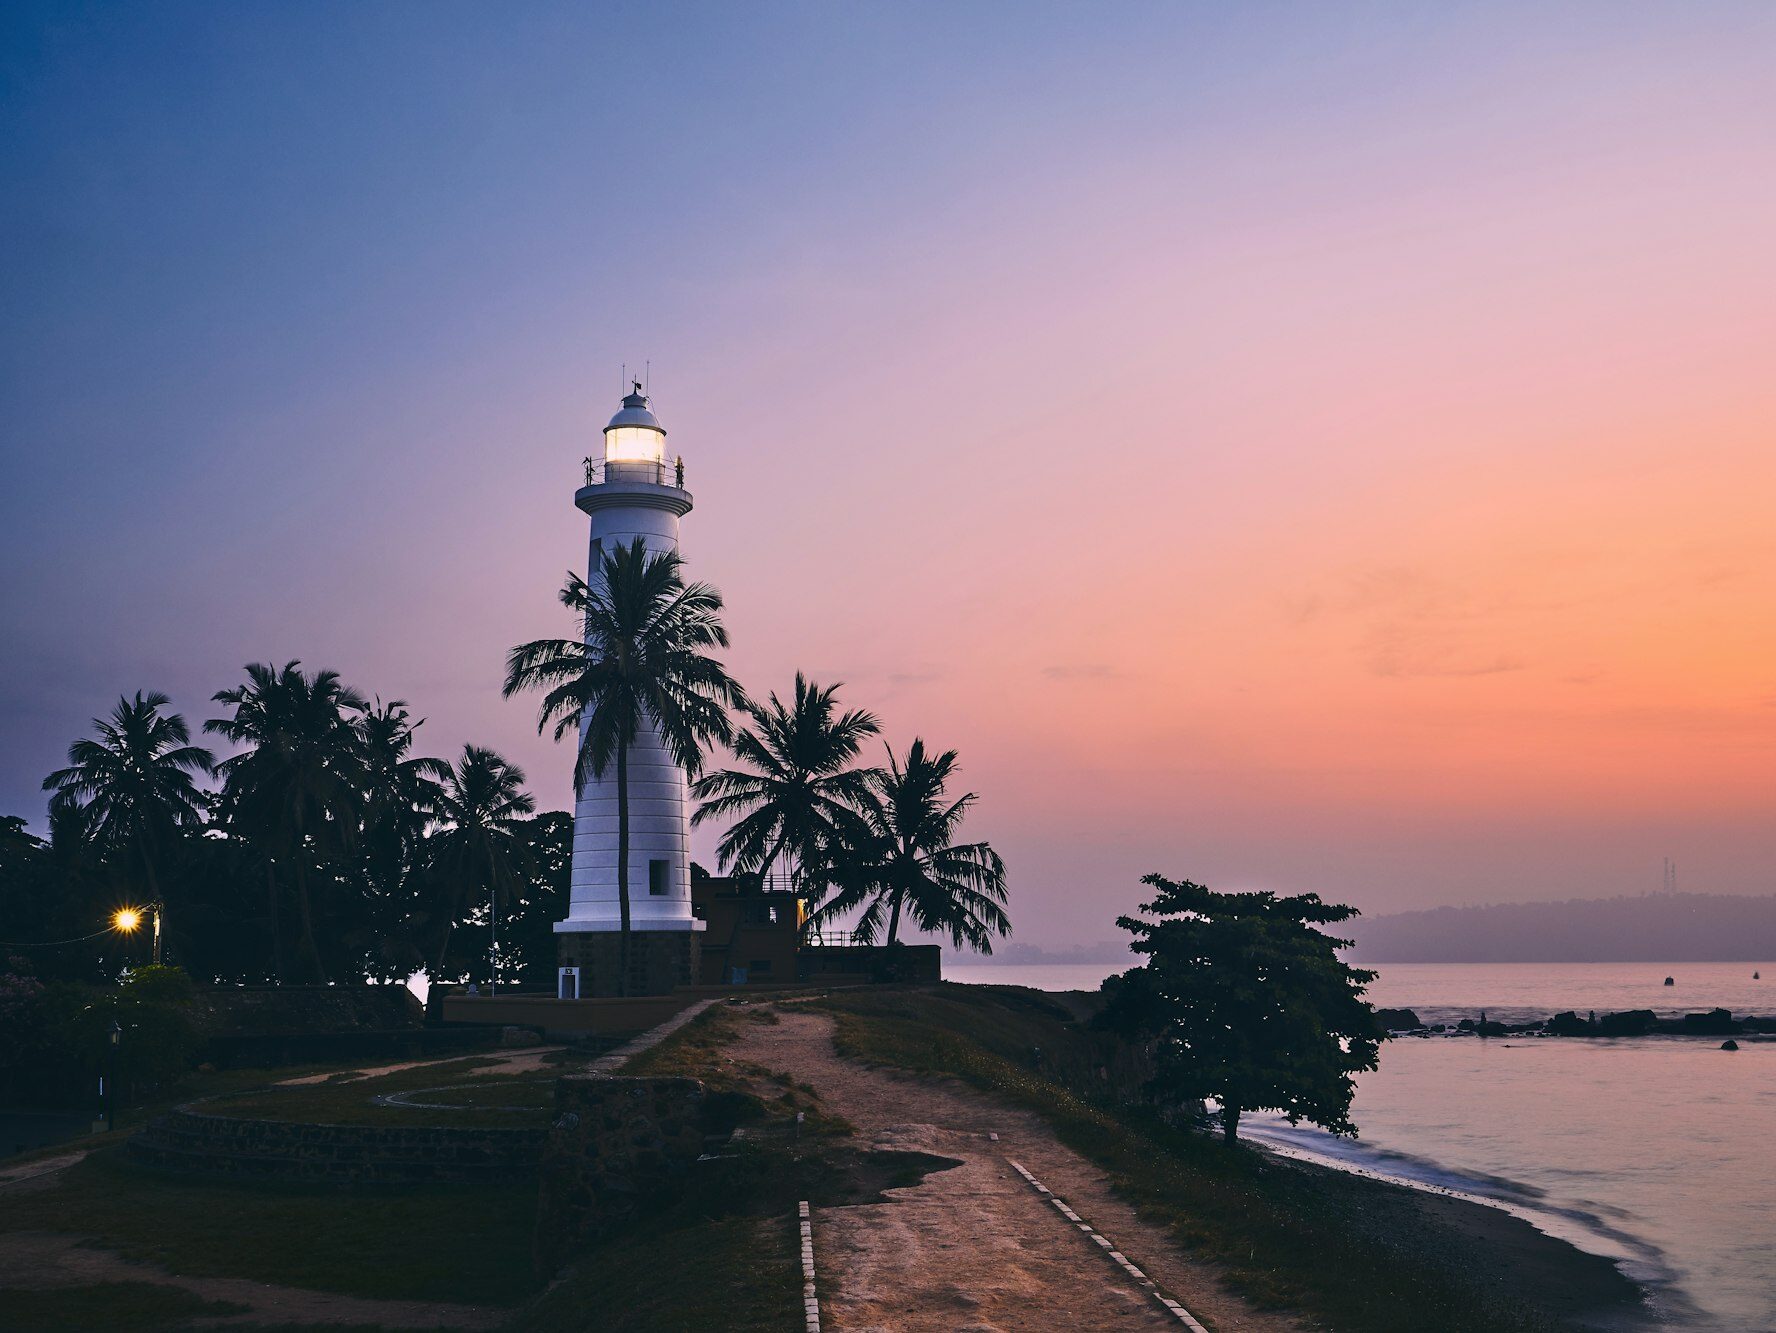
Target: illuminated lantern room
[635,434]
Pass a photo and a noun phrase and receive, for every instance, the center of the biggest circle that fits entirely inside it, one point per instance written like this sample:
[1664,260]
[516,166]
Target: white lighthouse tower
[634,490]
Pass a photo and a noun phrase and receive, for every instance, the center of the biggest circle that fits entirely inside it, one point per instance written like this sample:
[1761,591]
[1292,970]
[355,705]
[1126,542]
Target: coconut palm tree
[643,660]
[133,785]
[295,791]
[797,798]
[482,809]
[400,798]
[909,862]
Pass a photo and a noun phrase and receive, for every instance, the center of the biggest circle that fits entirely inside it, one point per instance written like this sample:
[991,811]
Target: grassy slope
[742,1275]
[1356,1253]
[735,1231]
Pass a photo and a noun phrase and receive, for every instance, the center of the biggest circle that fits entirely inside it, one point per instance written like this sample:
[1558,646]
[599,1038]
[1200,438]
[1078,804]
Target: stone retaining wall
[202,1143]
[616,1142]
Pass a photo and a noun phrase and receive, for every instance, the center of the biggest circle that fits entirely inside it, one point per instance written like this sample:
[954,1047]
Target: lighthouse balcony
[635,471]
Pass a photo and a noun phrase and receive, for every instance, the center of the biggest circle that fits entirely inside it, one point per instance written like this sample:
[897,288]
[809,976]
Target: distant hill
[1666,927]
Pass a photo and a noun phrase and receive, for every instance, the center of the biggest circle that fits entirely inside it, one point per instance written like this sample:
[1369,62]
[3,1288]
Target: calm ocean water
[1659,1152]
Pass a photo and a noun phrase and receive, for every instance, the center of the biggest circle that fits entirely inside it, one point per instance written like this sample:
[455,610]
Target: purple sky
[1289,446]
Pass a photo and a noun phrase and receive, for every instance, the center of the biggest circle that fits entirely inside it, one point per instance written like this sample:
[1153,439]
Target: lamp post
[108,1076]
[128,920]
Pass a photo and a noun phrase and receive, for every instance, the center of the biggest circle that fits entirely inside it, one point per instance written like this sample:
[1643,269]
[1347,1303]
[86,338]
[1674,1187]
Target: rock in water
[1397,1020]
[1670,982]
[1729,1045]
[1633,1023]
[1714,1023]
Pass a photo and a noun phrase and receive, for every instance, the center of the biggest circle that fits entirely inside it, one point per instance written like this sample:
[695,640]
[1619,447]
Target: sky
[1298,447]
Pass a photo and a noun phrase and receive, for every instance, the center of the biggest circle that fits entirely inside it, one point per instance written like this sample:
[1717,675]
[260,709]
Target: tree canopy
[1247,1003]
[905,861]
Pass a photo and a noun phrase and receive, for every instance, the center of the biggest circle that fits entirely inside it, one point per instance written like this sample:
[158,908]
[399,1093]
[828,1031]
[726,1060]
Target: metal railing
[665,472]
[833,939]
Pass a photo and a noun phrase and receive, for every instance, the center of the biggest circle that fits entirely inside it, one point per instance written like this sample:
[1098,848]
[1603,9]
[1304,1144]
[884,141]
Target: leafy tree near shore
[905,861]
[796,799]
[644,656]
[1247,1003]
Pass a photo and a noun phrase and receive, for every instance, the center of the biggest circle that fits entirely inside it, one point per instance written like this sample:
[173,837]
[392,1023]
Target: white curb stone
[1171,1306]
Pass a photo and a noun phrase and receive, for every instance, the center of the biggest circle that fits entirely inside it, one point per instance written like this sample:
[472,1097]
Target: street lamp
[127,920]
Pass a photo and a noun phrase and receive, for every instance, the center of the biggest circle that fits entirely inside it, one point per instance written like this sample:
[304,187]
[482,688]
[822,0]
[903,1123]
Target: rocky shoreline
[1626,1023]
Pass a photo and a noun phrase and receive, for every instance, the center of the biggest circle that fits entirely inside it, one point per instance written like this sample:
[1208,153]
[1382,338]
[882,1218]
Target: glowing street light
[127,920]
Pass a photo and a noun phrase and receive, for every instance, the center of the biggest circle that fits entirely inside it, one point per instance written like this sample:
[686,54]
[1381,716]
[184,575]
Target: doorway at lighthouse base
[659,961]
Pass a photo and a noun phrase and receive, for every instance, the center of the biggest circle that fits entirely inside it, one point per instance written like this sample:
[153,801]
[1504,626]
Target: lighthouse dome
[635,412]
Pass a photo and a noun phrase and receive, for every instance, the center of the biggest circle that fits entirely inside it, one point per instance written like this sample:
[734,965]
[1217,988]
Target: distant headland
[1664,927]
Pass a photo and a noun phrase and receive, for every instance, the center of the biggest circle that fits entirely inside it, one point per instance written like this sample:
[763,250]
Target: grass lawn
[455,1243]
[351,1101]
[740,1275]
[1353,1252]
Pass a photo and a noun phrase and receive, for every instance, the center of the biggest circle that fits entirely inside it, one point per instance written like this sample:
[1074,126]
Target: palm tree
[909,863]
[133,785]
[482,807]
[295,790]
[799,796]
[400,798]
[642,661]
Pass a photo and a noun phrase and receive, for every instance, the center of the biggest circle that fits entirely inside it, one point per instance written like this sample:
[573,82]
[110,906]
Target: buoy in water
[1670,982]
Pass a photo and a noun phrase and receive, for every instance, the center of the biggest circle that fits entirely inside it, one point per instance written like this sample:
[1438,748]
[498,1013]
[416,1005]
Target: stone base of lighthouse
[659,961]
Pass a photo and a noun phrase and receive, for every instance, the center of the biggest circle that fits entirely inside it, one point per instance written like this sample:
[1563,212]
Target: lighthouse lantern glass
[634,444]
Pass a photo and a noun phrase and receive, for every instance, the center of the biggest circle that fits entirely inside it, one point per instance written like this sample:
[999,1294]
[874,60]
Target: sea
[1658,1152]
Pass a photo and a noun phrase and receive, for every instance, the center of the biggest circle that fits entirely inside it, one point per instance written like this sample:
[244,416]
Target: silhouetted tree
[643,658]
[1247,1003]
[296,791]
[798,796]
[907,860]
[400,797]
[478,851]
[133,786]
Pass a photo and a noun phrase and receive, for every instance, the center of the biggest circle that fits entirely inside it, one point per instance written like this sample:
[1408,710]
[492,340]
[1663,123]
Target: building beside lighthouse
[635,489]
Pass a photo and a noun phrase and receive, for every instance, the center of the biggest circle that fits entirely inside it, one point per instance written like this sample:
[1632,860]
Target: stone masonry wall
[659,960]
[617,1144]
[200,1143]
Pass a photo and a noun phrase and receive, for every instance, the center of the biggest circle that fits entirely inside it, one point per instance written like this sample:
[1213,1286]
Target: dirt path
[975,1249]
[37,1261]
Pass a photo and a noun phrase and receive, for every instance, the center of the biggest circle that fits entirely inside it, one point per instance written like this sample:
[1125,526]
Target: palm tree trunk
[1230,1122]
[493,928]
[308,937]
[277,935]
[623,864]
[894,919]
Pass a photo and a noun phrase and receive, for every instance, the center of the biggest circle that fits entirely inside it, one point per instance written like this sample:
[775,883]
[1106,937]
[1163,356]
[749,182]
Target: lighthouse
[634,490]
